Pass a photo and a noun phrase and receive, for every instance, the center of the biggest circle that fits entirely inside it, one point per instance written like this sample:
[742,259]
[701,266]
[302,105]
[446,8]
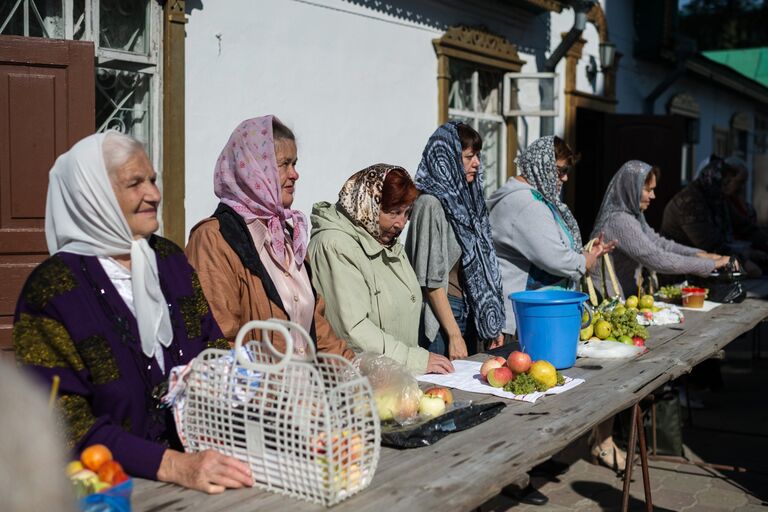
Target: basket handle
[265,326]
[303,332]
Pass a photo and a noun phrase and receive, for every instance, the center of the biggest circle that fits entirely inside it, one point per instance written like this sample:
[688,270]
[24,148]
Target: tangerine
[94,456]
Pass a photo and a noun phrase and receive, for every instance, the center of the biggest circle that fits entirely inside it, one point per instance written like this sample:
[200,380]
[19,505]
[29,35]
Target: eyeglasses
[563,171]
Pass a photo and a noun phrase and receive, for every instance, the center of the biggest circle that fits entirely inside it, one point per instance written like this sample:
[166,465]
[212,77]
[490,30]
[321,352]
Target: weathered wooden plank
[466,469]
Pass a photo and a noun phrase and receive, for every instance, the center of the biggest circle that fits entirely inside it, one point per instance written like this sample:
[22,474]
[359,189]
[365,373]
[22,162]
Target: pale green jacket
[372,297]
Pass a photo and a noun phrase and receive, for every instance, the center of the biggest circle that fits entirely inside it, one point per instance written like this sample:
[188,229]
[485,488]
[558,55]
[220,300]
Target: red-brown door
[46,105]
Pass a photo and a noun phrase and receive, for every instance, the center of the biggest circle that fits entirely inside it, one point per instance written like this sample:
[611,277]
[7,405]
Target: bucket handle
[590,313]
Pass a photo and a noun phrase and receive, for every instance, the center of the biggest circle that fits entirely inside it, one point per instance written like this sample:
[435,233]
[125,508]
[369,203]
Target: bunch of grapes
[670,292]
[624,323]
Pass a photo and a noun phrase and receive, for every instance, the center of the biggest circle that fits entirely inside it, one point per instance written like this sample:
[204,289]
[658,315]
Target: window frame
[481,49]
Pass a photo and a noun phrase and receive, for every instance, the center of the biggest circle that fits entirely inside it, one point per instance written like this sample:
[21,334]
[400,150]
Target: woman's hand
[438,364]
[499,341]
[208,471]
[601,247]
[457,347]
[722,261]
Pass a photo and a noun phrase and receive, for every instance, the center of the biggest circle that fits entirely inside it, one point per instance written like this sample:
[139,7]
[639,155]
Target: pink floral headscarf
[246,180]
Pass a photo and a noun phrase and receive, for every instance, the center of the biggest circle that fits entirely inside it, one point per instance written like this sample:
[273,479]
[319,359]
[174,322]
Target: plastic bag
[430,431]
[395,389]
[607,350]
[114,499]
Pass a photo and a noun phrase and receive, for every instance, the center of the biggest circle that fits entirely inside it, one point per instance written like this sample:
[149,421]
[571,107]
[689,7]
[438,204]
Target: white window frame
[476,116]
[542,77]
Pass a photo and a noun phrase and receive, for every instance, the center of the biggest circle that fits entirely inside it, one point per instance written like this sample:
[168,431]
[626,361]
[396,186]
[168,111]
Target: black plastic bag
[431,431]
[669,424]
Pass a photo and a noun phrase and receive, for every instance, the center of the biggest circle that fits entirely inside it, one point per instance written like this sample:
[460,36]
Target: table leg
[630,456]
[644,459]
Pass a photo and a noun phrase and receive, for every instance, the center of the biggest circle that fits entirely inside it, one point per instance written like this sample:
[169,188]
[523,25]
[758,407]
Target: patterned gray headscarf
[623,194]
[538,166]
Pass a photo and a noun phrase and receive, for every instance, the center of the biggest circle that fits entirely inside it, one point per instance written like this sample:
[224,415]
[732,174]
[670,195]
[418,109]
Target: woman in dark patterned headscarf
[450,246]
[697,216]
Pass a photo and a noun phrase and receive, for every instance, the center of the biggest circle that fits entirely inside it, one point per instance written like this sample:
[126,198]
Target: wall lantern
[607,55]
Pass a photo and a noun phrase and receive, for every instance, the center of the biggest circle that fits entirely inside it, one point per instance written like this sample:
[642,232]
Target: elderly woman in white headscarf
[622,217]
[112,310]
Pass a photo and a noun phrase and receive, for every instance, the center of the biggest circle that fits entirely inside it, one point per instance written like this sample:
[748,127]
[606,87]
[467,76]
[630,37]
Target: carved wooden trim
[476,45]
[596,16]
[173,122]
[548,5]
[741,121]
[683,104]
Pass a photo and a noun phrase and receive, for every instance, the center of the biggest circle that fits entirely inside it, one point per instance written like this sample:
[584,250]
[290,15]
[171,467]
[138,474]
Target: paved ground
[732,429]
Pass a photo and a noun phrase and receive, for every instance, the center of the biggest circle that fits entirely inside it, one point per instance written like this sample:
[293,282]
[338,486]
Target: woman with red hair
[372,296]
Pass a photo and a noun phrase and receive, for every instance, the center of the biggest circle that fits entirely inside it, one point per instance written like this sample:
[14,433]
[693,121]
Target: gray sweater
[433,250]
[639,245]
[527,236]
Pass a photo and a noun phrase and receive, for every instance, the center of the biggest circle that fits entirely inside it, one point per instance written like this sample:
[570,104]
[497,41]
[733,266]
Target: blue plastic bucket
[548,324]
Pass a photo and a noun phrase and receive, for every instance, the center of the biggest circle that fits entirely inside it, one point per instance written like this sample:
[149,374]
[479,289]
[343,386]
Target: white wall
[355,90]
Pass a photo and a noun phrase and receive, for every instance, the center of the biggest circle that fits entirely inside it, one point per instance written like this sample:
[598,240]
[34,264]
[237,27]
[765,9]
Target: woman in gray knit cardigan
[622,218]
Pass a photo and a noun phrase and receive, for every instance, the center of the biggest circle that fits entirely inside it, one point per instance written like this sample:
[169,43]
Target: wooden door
[607,141]
[46,105]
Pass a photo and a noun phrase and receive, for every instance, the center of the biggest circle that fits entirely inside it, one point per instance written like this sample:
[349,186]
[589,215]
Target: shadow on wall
[191,5]
[528,29]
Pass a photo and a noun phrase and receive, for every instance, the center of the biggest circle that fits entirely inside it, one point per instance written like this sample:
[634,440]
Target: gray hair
[117,149]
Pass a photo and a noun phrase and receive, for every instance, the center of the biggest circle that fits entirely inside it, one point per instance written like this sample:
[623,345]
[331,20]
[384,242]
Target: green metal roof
[750,62]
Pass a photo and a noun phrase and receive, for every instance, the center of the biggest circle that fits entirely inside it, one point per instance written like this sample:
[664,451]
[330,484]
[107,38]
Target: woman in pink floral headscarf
[250,253]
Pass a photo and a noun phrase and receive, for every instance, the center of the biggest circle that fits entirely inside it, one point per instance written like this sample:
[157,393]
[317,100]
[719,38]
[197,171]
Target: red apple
[519,362]
[638,341]
[489,364]
[498,377]
[441,392]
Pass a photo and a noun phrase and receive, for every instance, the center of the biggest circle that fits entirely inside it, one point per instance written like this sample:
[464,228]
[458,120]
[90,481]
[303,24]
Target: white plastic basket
[307,428]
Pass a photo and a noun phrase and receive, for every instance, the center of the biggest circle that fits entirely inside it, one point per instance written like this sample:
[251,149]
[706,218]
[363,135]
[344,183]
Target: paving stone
[671,499]
[721,498]
[751,507]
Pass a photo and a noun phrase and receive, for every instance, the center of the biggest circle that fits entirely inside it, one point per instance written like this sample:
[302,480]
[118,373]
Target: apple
[441,392]
[498,377]
[489,364]
[386,405]
[431,406]
[638,341]
[519,362]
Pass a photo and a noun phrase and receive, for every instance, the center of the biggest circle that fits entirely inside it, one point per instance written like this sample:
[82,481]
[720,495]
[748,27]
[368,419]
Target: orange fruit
[94,456]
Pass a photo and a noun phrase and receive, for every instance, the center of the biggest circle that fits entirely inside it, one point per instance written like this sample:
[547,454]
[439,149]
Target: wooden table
[465,469]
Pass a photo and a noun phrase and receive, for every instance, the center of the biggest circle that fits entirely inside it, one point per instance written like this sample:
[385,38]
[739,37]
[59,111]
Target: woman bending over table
[622,217]
[373,298]
[450,247]
[112,310]
[250,254]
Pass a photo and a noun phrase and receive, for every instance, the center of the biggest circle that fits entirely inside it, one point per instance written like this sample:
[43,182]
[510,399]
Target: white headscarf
[82,216]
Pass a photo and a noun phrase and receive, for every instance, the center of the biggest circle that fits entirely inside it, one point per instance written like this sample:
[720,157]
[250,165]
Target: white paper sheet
[467,378]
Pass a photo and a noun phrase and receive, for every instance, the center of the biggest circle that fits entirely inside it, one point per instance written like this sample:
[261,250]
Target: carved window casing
[126,36]
[471,66]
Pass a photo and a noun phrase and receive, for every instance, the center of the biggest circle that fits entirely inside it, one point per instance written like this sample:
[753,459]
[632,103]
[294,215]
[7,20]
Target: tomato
[94,456]
[110,472]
